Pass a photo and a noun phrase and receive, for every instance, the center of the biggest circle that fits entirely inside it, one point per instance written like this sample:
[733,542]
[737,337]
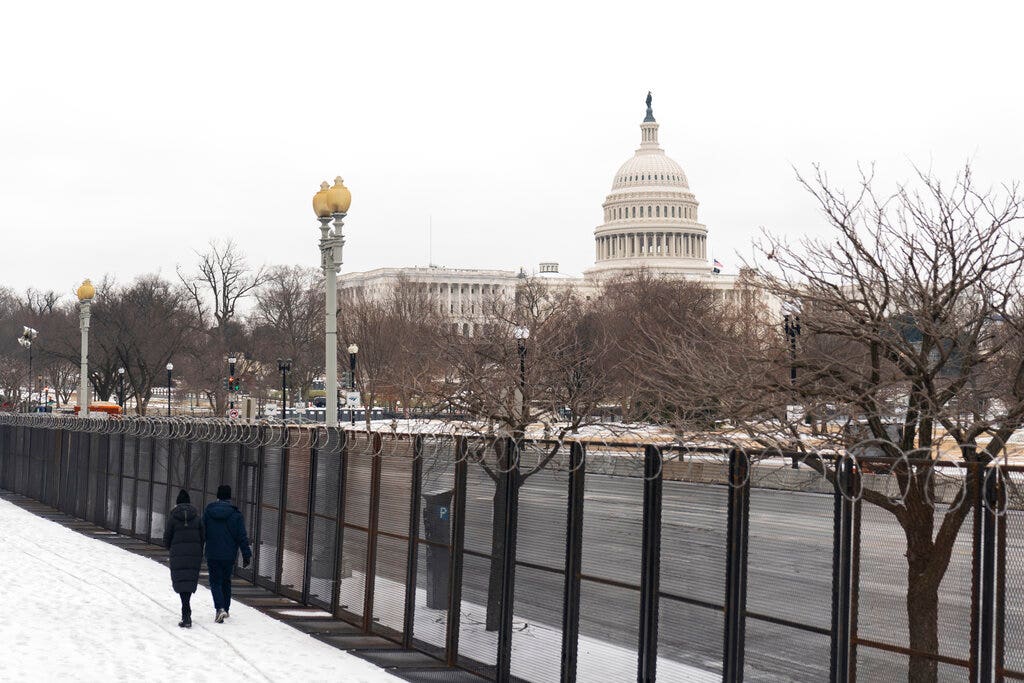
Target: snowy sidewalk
[75,608]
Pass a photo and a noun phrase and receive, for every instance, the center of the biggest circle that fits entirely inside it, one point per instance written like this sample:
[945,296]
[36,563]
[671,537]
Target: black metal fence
[545,561]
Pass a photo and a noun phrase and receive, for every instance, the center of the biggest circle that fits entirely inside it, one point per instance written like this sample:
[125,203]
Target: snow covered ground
[78,609]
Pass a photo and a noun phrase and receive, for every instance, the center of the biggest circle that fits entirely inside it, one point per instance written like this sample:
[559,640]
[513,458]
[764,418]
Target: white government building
[650,222]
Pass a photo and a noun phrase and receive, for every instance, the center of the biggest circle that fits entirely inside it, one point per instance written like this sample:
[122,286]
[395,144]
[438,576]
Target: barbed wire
[857,472]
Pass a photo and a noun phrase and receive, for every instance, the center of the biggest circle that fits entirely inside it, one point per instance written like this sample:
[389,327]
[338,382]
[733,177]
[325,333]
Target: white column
[330,260]
[83,383]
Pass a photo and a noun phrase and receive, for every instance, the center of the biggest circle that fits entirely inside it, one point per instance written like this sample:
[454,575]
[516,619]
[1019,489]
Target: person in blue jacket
[225,536]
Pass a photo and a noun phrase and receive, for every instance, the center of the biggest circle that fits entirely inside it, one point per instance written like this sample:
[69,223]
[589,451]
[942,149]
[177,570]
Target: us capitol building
[651,222]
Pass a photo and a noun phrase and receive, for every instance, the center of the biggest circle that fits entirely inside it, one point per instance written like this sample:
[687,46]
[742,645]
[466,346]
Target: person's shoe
[220,616]
[185,623]
[226,614]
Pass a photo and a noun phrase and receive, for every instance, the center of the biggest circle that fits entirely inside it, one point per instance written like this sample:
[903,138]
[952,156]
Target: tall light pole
[284,365]
[331,203]
[120,388]
[521,333]
[170,368]
[86,293]
[27,336]
[791,326]
[352,351]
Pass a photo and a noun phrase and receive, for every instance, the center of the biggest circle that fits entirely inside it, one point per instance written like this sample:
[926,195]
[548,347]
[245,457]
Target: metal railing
[575,560]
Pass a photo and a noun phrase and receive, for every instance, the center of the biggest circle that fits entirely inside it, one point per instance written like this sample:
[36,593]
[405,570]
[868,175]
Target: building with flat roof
[650,223]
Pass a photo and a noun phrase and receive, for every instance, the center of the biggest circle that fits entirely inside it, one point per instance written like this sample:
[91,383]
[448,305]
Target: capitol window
[658,212]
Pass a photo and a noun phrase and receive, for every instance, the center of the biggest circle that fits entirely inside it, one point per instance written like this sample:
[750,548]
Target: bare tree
[221,281]
[288,322]
[153,325]
[395,331]
[556,376]
[911,328]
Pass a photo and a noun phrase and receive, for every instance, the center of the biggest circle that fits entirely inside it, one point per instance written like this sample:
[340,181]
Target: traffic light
[226,386]
[233,385]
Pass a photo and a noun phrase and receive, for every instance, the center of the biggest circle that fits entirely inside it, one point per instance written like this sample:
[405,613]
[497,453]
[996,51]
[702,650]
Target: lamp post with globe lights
[86,293]
[120,388]
[791,326]
[27,336]
[284,365]
[521,333]
[331,203]
[352,351]
[170,368]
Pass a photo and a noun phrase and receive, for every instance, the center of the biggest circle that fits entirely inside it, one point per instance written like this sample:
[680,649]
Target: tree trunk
[497,554]
[924,574]
[923,622]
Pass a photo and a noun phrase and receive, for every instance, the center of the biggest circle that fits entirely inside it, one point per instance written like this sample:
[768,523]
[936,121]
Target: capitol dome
[650,215]
[650,168]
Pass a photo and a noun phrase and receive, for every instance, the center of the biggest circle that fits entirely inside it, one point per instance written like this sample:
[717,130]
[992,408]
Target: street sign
[352,399]
[233,413]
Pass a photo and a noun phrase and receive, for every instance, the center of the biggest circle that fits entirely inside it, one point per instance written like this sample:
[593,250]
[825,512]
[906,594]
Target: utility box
[249,409]
[437,528]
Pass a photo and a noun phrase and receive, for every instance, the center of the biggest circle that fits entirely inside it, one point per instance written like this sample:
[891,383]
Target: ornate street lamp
[352,351]
[170,368]
[86,293]
[27,336]
[331,203]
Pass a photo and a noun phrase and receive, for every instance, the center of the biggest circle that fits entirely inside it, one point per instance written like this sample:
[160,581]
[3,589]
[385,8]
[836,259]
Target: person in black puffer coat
[185,536]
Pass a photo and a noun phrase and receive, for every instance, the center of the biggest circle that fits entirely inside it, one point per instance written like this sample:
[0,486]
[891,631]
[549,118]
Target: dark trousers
[186,607]
[220,582]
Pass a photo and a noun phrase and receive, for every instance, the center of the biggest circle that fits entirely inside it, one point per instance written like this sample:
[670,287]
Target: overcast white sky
[132,133]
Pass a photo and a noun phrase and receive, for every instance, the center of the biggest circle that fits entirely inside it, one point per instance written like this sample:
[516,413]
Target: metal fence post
[258,497]
[281,517]
[307,570]
[451,643]
[339,531]
[650,567]
[510,506]
[1001,586]
[842,570]
[152,476]
[573,562]
[371,536]
[736,566]
[412,562]
[984,593]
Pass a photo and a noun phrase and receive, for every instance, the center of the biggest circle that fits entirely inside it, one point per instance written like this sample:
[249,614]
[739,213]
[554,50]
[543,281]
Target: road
[789,576]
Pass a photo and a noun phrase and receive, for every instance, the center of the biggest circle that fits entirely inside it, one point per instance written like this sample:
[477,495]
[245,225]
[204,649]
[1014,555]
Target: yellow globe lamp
[338,197]
[320,205]
[86,291]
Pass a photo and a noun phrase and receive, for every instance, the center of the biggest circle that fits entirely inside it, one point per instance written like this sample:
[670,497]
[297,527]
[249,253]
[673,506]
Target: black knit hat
[183,497]
[223,492]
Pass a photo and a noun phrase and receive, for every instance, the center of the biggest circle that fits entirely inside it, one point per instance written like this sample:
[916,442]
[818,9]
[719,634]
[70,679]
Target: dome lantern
[339,199]
[320,207]
[86,291]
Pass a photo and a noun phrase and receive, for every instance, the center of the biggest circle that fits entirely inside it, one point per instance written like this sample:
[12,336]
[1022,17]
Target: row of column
[463,298]
[643,244]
